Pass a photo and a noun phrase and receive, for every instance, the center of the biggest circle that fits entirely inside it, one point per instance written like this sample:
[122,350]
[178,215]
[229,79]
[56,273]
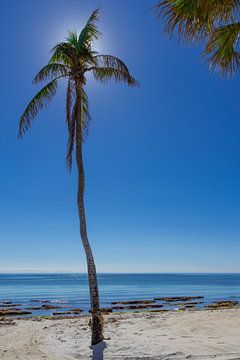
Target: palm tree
[215,24]
[73,59]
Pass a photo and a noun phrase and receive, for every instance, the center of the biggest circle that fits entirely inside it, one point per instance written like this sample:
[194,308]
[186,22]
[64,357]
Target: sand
[167,335]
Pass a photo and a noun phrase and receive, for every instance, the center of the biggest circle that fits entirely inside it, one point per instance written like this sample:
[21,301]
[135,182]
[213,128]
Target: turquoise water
[72,289]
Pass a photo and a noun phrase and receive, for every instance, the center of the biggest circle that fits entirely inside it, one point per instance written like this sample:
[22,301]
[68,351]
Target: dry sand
[168,335]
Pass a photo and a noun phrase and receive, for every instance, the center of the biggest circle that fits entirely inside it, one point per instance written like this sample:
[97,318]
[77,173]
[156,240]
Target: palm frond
[41,99]
[195,19]
[222,49]
[72,38]
[70,122]
[184,16]
[50,71]
[108,67]
[90,32]
[106,74]
[222,10]
[71,55]
[62,52]
[86,117]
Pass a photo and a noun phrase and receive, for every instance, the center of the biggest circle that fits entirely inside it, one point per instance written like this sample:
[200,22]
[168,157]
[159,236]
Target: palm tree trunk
[97,321]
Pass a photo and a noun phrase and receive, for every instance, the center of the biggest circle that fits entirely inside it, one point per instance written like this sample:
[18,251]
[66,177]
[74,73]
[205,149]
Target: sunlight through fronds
[90,32]
[72,59]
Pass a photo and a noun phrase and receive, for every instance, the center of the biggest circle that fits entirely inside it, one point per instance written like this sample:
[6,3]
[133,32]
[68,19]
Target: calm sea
[72,289]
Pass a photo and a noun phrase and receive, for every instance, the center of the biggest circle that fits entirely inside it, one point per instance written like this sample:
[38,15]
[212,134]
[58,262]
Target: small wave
[58,301]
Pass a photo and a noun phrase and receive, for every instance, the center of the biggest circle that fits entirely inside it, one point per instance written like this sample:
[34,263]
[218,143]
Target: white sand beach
[167,335]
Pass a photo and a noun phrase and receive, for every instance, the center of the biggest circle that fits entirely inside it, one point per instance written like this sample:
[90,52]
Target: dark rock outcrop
[138,307]
[62,313]
[186,303]
[13,312]
[222,305]
[76,311]
[104,310]
[133,302]
[118,307]
[52,307]
[179,298]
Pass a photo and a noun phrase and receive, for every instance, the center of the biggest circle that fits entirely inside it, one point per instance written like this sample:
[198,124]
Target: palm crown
[72,59]
[215,23]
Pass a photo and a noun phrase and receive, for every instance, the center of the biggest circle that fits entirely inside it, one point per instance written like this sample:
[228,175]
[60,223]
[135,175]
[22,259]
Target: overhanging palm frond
[50,71]
[90,32]
[36,104]
[222,10]
[222,49]
[108,67]
[215,23]
[195,19]
[185,16]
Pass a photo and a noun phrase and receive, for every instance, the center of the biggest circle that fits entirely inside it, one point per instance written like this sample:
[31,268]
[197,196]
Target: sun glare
[60,30]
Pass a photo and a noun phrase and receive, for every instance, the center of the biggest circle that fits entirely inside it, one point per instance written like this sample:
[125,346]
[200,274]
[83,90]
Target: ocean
[71,290]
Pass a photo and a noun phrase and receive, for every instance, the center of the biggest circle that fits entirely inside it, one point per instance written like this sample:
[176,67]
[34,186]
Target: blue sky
[162,161]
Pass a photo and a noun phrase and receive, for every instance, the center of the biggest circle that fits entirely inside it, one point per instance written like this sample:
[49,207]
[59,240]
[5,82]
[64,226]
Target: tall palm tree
[73,59]
[215,24]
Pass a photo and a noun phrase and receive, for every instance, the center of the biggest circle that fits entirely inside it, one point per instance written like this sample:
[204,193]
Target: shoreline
[190,334]
[39,308]
[31,292]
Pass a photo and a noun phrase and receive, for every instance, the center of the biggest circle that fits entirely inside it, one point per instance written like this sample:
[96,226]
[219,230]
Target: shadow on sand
[98,350]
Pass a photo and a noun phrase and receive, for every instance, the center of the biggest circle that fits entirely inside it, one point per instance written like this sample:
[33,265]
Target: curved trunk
[97,321]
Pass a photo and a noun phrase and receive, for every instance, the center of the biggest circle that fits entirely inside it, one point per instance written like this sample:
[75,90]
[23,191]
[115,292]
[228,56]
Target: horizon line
[121,273]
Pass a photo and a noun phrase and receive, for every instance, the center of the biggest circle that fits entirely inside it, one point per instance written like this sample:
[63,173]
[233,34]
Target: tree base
[97,328]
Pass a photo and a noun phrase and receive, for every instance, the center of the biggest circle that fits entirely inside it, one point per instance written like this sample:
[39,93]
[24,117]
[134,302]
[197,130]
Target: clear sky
[162,161]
